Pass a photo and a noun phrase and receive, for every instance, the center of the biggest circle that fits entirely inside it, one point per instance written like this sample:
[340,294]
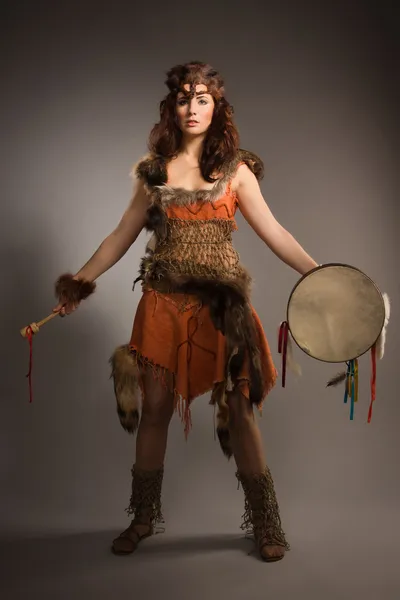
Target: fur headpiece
[195,73]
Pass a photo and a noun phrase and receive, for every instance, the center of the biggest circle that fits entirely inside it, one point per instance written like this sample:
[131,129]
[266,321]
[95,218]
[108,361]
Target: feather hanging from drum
[339,378]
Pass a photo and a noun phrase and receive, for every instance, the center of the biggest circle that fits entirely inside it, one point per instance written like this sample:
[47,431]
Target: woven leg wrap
[261,516]
[145,501]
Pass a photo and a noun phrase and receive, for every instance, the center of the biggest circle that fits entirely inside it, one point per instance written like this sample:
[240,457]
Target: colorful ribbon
[351,389]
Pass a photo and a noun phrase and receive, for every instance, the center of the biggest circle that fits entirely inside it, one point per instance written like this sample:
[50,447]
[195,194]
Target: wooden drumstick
[36,326]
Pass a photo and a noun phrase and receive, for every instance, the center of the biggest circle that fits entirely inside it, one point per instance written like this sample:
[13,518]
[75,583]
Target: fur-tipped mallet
[67,290]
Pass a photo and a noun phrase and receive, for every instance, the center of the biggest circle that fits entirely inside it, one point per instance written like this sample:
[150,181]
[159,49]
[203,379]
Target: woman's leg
[257,483]
[245,435]
[157,411]
[148,470]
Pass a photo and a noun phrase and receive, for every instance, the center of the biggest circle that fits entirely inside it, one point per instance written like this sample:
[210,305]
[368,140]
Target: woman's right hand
[65,308]
[70,291]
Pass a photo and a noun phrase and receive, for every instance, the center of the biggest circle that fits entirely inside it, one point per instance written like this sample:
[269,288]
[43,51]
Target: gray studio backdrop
[313,92]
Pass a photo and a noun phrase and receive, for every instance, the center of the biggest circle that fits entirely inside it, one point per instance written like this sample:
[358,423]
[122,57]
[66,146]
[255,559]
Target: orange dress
[173,333]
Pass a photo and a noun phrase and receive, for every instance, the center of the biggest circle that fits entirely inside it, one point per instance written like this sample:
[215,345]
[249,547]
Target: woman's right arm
[114,246]
[118,242]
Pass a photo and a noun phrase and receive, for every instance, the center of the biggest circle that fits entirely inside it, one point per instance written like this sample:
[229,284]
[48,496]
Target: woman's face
[195,114]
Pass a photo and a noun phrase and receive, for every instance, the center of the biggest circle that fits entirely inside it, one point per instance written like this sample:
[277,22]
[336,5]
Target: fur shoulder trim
[253,161]
[151,169]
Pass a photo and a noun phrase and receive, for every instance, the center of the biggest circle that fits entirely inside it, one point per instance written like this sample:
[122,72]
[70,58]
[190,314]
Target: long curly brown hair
[222,138]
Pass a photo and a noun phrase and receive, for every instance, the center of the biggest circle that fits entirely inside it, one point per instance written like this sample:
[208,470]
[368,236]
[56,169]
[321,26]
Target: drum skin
[335,313]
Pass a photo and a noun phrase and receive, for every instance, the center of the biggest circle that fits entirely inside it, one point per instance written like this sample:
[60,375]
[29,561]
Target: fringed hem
[181,403]
[162,375]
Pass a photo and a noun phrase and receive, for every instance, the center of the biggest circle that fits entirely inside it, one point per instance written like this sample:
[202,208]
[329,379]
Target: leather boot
[261,515]
[145,505]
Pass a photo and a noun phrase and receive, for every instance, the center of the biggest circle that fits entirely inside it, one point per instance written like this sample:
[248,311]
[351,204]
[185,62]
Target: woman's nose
[192,107]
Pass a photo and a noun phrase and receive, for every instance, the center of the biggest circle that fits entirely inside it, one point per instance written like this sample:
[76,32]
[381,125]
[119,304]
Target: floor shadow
[63,554]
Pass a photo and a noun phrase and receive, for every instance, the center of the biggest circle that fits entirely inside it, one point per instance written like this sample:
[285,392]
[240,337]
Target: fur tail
[225,441]
[218,397]
[126,376]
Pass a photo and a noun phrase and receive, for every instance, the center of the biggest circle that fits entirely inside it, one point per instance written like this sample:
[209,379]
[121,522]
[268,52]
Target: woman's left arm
[255,210]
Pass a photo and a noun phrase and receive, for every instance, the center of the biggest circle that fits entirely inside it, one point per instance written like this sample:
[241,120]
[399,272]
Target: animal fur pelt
[68,289]
[126,375]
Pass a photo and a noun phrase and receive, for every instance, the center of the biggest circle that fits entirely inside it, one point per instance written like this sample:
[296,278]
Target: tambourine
[336,314]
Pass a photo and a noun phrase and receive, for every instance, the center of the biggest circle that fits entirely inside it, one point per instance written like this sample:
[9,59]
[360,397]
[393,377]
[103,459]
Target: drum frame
[318,268]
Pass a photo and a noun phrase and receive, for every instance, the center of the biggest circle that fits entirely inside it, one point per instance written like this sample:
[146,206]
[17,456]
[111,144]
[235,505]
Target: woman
[195,329]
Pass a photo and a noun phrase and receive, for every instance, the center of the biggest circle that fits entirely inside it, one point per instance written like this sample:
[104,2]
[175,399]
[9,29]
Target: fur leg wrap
[145,501]
[68,289]
[126,375]
[261,515]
